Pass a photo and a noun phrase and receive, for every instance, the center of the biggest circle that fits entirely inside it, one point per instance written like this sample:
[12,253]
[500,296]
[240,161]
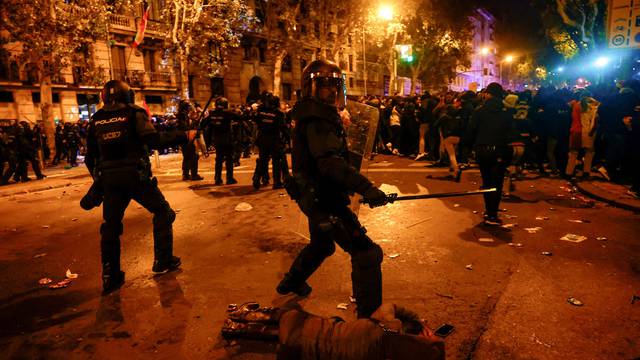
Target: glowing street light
[601,62]
[560,69]
[385,12]
[509,59]
[484,51]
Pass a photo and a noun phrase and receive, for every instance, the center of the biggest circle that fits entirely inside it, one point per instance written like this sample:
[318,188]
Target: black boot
[112,278]
[164,266]
[288,285]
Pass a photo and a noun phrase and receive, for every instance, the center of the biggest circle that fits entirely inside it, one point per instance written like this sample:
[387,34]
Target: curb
[42,188]
[613,202]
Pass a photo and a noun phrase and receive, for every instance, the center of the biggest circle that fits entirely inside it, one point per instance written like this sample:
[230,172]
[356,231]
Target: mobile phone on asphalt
[444,330]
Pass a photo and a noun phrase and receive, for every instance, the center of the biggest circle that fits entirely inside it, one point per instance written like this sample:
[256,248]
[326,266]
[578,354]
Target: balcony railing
[160,78]
[134,78]
[122,22]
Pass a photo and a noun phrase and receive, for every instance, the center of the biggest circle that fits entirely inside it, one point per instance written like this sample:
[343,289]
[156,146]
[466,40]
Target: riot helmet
[116,91]
[324,81]
[222,103]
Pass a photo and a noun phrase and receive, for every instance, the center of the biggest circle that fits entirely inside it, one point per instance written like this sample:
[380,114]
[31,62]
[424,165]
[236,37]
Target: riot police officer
[11,152]
[219,123]
[118,142]
[270,121]
[322,181]
[189,152]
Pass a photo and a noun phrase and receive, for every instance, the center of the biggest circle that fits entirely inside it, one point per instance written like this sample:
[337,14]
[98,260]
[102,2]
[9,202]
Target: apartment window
[350,62]
[35,97]
[286,91]
[286,64]
[153,99]
[351,82]
[6,97]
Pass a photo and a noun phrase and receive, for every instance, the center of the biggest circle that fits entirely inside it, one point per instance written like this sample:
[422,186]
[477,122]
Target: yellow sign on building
[623,26]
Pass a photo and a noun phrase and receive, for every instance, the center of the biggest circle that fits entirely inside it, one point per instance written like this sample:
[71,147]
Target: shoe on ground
[256,184]
[111,283]
[196,177]
[161,267]
[265,181]
[492,221]
[420,156]
[286,287]
[232,181]
[604,173]
[218,182]
[458,175]
[41,177]
[26,179]
[186,177]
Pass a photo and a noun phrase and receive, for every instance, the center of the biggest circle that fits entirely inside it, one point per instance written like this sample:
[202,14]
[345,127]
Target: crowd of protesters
[573,133]
[552,131]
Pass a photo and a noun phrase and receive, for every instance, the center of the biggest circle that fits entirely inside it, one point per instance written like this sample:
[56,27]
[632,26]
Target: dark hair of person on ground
[411,323]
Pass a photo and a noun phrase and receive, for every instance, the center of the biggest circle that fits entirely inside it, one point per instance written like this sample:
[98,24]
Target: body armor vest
[118,143]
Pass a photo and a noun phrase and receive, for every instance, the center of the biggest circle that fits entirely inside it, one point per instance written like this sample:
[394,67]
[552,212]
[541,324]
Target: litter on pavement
[485,239]
[574,238]
[542,218]
[352,299]
[45,226]
[40,255]
[70,275]
[509,226]
[45,281]
[574,301]
[469,267]
[243,206]
[515,244]
[601,238]
[547,253]
[59,285]
[393,256]
[342,306]
[580,221]
[533,230]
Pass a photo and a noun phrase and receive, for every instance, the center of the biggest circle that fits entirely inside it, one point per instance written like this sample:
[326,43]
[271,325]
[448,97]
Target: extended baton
[394,197]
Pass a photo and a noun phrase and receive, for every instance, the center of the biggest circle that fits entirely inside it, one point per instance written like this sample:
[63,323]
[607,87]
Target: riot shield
[361,124]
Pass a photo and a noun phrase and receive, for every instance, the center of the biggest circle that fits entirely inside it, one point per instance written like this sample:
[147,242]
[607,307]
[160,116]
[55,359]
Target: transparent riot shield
[361,124]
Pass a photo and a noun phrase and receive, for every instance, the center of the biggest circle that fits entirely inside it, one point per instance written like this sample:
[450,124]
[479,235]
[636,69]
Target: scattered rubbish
[574,238]
[278,216]
[580,221]
[475,211]
[485,240]
[342,306]
[503,210]
[45,281]
[203,211]
[531,186]
[393,256]
[177,210]
[456,205]
[552,209]
[448,296]
[419,222]
[547,253]
[533,230]
[283,194]
[509,226]
[352,299]
[70,275]
[574,301]
[45,226]
[138,207]
[634,298]
[510,216]
[542,218]
[537,341]
[515,244]
[243,206]
[469,267]
[62,284]
[74,219]
[601,238]
[40,255]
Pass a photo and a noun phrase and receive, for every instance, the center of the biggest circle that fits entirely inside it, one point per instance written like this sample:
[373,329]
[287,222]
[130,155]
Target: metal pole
[364,61]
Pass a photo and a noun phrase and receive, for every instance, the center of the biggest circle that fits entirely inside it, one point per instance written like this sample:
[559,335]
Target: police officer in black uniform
[11,152]
[118,142]
[321,184]
[270,121]
[219,123]
[189,152]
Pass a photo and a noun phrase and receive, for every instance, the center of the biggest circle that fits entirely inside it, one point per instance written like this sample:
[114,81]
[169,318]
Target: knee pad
[366,258]
[114,229]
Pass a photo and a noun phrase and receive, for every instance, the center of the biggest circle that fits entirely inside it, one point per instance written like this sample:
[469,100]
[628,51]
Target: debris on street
[580,221]
[70,275]
[74,219]
[45,281]
[45,226]
[448,296]
[352,299]
[456,205]
[574,238]
[547,253]
[485,239]
[515,244]
[509,226]
[342,306]
[40,255]
[533,230]
[552,209]
[601,238]
[507,216]
[574,301]
[393,256]
[542,218]
[61,284]
[243,206]
[469,267]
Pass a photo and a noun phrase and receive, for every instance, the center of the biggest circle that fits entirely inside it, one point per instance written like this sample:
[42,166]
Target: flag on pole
[140,33]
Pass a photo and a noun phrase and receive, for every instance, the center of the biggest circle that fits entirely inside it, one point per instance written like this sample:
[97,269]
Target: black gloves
[375,197]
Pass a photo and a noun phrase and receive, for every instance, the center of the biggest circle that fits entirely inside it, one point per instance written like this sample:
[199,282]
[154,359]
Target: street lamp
[508,59]
[484,51]
[601,62]
[385,12]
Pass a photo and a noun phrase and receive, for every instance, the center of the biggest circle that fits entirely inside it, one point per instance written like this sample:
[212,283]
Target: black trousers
[493,162]
[12,166]
[73,155]
[189,159]
[224,154]
[23,166]
[265,153]
[119,189]
[341,226]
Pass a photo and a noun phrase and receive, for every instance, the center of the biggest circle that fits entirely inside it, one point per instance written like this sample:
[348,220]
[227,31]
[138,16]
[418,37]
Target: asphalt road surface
[505,298]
